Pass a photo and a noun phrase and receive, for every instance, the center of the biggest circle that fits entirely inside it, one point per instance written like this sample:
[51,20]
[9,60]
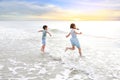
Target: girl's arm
[40,31]
[49,33]
[78,33]
[77,28]
[67,35]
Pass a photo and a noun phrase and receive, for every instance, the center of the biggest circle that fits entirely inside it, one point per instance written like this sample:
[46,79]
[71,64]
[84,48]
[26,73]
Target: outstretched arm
[40,31]
[49,33]
[78,32]
[67,35]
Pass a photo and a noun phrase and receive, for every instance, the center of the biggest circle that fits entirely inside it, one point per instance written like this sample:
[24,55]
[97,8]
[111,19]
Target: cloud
[71,15]
[94,4]
[59,10]
[14,9]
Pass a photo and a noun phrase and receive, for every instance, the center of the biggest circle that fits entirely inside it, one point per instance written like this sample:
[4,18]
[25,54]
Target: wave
[56,31]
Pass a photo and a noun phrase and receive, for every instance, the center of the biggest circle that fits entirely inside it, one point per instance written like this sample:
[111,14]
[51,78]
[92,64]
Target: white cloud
[14,9]
[20,9]
[80,4]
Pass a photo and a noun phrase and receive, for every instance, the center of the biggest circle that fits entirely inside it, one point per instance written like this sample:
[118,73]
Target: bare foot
[80,54]
[42,51]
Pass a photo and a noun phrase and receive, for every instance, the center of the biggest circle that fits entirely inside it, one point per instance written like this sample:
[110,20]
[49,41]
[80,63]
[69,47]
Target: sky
[60,10]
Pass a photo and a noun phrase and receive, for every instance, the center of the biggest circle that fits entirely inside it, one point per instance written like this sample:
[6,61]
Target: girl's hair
[72,26]
[45,26]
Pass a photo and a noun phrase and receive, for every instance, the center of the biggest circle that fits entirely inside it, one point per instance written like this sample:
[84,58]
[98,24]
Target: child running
[74,40]
[44,33]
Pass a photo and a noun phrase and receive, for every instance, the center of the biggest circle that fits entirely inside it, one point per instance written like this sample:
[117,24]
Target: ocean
[21,59]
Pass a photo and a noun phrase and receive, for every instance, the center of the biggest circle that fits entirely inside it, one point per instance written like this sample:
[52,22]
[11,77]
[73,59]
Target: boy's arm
[49,33]
[67,35]
[40,31]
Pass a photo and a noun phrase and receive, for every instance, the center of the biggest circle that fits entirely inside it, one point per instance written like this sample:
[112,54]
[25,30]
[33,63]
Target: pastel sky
[60,10]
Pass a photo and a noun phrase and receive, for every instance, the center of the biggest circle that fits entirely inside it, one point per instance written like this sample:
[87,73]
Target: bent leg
[70,48]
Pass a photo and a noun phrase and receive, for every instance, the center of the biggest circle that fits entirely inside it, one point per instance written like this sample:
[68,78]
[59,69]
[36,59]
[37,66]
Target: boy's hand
[40,30]
[80,32]
[66,36]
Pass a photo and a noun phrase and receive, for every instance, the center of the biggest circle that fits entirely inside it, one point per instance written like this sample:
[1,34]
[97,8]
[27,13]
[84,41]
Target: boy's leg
[43,45]
[70,48]
[43,48]
[79,49]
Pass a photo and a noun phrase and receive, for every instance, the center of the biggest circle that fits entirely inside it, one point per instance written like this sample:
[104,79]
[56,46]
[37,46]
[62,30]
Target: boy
[44,33]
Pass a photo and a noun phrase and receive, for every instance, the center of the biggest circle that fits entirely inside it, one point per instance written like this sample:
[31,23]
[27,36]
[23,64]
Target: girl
[74,41]
[44,33]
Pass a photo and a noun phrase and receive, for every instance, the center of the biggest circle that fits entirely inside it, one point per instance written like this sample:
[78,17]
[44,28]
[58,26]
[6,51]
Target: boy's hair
[72,25]
[45,26]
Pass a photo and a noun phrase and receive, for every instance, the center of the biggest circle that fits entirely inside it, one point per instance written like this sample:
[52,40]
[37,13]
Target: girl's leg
[70,48]
[79,49]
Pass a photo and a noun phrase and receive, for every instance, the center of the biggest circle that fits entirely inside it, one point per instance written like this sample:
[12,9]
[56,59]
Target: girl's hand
[80,32]
[77,28]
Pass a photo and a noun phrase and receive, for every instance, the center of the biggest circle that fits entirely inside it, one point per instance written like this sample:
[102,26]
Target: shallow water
[21,59]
